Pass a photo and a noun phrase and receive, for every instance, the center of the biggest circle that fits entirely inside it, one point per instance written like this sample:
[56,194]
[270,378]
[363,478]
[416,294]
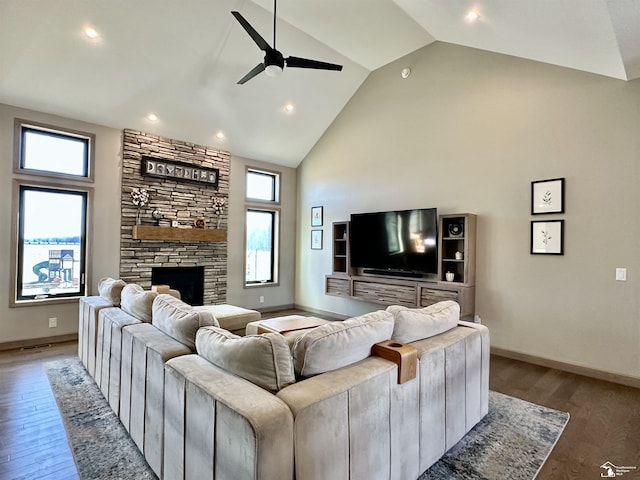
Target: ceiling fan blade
[261,42]
[255,71]
[298,62]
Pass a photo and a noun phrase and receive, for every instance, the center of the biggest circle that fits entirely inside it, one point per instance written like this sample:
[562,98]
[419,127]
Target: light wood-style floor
[604,425]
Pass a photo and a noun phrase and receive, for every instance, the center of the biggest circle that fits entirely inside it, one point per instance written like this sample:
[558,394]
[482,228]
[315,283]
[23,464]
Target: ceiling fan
[274,61]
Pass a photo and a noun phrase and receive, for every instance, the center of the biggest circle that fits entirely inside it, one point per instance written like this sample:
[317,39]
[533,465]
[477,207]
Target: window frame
[261,205]
[276,186]
[21,126]
[17,244]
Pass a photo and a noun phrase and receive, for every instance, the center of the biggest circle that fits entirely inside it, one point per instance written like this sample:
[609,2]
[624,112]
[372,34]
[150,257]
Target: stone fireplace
[176,201]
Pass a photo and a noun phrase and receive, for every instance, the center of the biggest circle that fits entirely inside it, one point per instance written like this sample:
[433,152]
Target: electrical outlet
[53,322]
[621,274]
[261,298]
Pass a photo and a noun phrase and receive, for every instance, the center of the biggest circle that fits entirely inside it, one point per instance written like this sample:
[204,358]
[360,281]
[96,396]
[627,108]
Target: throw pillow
[111,289]
[180,320]
[338,344]
[264,360]
[137,301]
[413,324]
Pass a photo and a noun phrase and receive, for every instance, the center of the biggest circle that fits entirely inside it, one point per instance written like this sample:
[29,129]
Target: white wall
[32,322]
[276,295]
[467,132]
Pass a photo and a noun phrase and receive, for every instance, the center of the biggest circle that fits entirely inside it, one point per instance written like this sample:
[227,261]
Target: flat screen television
[397,243]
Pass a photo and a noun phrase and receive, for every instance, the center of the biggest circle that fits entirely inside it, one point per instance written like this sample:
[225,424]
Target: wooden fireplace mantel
[150,232]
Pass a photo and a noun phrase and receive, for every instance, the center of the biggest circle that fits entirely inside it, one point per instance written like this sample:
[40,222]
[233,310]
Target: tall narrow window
[261,227]
[51,243]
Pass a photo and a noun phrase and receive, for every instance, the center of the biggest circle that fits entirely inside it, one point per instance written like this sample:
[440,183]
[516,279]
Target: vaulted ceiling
[181,60]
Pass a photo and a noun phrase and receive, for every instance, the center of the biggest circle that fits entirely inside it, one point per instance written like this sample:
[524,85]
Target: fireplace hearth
[189,281]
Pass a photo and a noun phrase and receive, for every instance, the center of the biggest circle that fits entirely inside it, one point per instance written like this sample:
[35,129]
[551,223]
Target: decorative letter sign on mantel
[172,170]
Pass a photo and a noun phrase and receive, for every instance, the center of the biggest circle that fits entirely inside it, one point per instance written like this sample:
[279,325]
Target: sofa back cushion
[111,290]
[413,324]
[264,360]
[137,302]
[180,320]
[338,344]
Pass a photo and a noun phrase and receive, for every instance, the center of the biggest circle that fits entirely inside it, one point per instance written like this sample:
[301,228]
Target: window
[51,243]
[263,185]
[260,241]
[261,227]
[45,151]
[50,213]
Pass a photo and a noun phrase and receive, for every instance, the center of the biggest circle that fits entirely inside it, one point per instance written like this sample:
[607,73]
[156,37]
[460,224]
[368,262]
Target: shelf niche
[150,232]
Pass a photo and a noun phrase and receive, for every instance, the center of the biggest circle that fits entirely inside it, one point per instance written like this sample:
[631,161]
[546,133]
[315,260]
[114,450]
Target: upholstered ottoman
[230,317]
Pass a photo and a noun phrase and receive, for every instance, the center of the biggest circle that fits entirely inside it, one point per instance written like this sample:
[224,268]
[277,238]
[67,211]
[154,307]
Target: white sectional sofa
[201,402]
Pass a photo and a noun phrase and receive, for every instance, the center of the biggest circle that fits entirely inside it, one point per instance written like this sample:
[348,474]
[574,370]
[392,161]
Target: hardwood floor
[604,425]
[33,442]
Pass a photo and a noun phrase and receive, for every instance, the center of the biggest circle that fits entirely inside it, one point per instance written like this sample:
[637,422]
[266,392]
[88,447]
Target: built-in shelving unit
[150,232]
[457,248]
[341,263]
[457,233]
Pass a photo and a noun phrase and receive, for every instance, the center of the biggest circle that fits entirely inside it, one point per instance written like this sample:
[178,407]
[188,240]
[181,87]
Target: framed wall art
[316,216]
[547,196]
[547,237]
[316,239]
[179,171]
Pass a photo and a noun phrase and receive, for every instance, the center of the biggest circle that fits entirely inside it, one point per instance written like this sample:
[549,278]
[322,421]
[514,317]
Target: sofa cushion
[180,320]
[111,289]
[338,344]
[137,301]
[413,324]
[264,360]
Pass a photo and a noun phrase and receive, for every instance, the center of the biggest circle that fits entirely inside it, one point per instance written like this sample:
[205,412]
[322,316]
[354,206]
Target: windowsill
[42,302]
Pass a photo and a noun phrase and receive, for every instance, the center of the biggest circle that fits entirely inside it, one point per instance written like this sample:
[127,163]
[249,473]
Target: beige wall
[467,132]
[26,323]
[32,322]
[276,295]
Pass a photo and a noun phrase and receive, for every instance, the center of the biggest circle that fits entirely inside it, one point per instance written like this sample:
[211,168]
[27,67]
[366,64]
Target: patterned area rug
[101,446]
[511,442]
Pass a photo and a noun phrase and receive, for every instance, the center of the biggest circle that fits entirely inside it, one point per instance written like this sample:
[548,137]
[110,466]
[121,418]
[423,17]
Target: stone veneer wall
[176,200]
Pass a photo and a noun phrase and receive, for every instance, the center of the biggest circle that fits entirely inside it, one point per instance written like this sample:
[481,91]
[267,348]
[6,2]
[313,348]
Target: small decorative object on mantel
[179,171]
[157,216]
[199,222]
[547,196]
[218,208]
[139,198]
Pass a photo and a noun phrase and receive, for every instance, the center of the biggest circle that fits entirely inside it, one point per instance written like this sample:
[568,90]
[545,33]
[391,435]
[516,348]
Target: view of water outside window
[259,249]
[51,250]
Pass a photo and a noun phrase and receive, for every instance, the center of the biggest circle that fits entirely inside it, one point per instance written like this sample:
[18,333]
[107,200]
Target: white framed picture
[547,196]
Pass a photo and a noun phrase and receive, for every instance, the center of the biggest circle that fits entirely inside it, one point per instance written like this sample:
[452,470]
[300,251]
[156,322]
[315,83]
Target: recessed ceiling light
[220,135]
[289,107]
[152,117]
[405,72]
[472,16]
[91,32]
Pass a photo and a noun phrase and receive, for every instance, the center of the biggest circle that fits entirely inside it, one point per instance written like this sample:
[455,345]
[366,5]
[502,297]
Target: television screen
[395,242]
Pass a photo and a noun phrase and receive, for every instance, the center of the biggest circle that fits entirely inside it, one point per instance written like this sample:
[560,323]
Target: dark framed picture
[547,196]
[547,237]
[316,239]
[316,216]
[179,171]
